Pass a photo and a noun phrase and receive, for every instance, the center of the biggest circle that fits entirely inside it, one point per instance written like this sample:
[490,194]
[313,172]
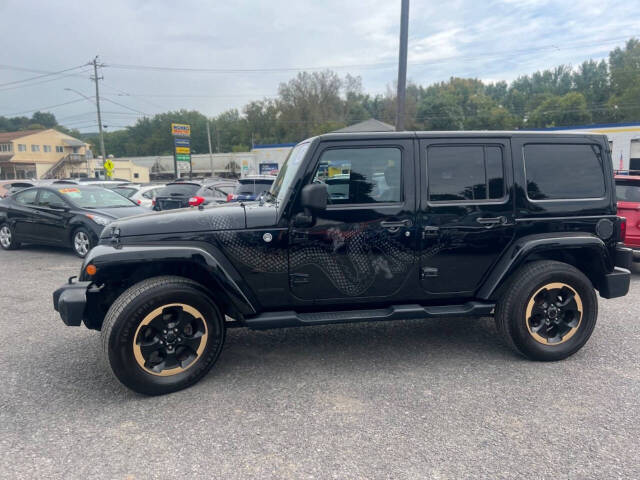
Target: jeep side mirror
[313,197]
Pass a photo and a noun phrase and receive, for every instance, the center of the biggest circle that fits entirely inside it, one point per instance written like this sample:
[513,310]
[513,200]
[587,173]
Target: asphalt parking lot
[412,399]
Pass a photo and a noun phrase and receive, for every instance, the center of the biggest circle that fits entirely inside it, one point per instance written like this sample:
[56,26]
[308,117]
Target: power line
[552,47]
[124,106]
[44,81]
[44,108]
[42,75]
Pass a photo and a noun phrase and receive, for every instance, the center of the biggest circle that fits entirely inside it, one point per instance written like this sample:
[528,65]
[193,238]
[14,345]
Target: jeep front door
[466,212]
[362,247]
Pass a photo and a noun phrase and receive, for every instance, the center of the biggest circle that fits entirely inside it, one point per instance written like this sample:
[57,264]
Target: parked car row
[185,193]
[72,212]
[63,215]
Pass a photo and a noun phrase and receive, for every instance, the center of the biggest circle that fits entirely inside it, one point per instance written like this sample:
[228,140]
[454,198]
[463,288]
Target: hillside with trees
[606,91]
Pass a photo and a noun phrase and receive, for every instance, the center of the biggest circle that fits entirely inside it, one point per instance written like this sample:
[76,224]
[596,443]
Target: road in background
[410,399]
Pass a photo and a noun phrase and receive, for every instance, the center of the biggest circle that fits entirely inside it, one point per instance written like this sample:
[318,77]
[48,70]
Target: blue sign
[269,168]
[182,142]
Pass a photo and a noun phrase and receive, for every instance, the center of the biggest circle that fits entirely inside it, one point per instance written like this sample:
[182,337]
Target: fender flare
[223,274]
[524,247]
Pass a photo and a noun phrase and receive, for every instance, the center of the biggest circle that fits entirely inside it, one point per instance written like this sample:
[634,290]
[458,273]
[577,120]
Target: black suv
[366,227]
[185,193]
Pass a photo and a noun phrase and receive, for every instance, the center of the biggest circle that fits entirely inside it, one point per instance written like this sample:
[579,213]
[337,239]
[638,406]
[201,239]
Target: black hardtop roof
[453,134]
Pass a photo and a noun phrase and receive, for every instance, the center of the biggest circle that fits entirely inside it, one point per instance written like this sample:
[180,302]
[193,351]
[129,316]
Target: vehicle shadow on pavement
[363,347]
[258,356]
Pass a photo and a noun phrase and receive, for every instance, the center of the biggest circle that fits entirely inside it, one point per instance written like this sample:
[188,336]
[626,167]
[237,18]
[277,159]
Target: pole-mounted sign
[181,148]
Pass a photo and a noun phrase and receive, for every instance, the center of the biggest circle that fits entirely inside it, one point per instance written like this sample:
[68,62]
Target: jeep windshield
[282,184]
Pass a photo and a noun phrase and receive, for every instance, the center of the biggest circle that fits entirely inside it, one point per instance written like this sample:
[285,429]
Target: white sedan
[143,195]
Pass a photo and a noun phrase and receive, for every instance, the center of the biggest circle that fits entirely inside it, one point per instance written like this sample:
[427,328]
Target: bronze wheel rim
[554,313]
[170,339]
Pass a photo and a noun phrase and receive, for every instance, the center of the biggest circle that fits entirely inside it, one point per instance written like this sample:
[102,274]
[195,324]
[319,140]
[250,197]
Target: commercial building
[263,159]
[624,139]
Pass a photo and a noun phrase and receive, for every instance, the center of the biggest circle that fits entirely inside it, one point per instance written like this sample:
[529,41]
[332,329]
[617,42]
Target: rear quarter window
[564,171]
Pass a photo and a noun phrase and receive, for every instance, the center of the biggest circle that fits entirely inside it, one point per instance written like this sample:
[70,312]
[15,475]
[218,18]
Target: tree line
[312,103]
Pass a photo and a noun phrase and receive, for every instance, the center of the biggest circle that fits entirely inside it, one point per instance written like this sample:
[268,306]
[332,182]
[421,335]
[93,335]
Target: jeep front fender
[222,276]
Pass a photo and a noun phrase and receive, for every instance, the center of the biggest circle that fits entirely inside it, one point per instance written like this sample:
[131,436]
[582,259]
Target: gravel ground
[411,399]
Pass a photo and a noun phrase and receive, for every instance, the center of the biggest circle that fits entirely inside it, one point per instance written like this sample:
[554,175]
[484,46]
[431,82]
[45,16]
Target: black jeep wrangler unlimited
[366,227]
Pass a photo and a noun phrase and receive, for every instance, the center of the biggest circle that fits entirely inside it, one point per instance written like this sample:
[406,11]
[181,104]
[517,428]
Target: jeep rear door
[466,211]
[362,248]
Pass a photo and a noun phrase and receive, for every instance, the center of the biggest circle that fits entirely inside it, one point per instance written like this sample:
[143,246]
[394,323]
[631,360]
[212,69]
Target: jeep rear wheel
[162,335]
[548,310]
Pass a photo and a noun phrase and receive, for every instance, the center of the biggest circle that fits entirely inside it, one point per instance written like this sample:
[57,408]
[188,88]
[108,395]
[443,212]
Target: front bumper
[70,301]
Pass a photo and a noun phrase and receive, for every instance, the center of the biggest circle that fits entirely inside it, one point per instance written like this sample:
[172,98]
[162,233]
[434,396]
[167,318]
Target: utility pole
[96,78]
[210,153]
[402,65]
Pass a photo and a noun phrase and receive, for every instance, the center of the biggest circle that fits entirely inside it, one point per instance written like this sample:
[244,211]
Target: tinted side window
[361,175]
[462,173]
[50,199]
[28,197]
[556,171]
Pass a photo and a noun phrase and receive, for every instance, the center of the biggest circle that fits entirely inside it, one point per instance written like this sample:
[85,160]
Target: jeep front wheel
[548,310]
[162,335]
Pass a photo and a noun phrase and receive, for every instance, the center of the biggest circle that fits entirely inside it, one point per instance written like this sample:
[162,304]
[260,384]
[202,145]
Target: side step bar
[395,312]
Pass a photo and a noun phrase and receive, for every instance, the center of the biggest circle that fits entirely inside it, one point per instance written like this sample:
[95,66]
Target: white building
[263,159]
[624,139]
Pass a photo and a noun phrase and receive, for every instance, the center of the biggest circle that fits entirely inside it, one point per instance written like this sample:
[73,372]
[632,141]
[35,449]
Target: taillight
[153,203]
[623,229]
[139,202]
[229,197]
[195,201]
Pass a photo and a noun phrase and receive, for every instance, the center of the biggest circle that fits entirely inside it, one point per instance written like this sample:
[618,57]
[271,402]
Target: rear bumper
[625,256]
[70,301]
[615,284]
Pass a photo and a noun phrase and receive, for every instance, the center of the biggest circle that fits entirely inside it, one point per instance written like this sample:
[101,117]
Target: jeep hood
[232,216]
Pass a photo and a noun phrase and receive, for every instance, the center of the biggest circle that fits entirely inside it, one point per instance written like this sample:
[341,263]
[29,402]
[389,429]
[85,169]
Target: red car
[628,193]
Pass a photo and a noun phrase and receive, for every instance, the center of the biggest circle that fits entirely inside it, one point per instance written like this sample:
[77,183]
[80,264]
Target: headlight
[99,220]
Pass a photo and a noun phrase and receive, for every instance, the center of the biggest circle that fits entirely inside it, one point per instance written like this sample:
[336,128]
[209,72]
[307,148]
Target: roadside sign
[180,130]
[183,150]
[182,142]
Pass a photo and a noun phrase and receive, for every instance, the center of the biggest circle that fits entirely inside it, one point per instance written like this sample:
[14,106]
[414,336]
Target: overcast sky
[490,40]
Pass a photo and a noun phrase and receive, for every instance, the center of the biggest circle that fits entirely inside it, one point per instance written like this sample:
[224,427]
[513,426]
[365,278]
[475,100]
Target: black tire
[81,242]
[530,287]
[8,237]
[132,308]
